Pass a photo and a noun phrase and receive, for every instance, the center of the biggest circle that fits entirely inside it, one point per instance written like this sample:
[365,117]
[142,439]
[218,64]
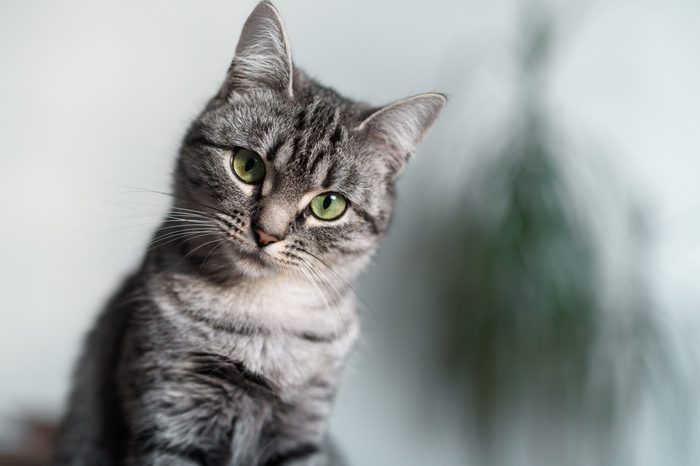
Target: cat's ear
[263,57]
[397,129]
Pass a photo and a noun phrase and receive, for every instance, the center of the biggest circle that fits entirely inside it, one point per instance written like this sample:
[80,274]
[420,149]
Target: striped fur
[219,352]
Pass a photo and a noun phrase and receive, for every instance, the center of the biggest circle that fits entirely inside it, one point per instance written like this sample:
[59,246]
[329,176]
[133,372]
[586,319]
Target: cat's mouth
[251,258]
[254,261]
[242,246]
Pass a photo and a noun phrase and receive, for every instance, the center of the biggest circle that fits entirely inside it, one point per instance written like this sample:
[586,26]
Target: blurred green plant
[526,324]
[520,296]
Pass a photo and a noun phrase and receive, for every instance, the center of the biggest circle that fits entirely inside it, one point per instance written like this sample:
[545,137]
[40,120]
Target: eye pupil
[249,164]
[328,201]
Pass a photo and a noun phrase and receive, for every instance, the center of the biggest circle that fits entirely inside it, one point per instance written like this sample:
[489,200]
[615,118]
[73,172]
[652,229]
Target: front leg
[297,434]
[185,409]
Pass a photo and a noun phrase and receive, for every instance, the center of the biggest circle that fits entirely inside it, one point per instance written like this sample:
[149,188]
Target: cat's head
[293,175]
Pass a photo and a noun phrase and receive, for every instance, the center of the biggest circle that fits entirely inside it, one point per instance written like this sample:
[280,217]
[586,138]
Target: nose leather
[263,238]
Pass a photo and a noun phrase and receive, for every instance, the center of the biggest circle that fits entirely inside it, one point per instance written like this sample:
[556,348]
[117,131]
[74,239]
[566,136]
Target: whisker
[174,196]
[335,294]
[178,235]
[197,248]
[339,277]
[214,251]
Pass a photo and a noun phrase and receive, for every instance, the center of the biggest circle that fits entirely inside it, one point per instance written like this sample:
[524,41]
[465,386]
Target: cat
[226,346]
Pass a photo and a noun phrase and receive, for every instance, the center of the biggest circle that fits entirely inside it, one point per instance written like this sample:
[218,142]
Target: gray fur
[220,352]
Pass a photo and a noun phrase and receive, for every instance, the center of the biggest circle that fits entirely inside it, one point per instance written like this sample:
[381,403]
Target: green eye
[248,166]
[328,206]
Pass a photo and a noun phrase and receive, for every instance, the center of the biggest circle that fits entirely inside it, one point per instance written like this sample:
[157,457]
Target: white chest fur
[288,330]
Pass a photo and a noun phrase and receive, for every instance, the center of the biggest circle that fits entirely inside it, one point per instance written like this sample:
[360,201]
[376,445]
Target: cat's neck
[280,326]
[278,302]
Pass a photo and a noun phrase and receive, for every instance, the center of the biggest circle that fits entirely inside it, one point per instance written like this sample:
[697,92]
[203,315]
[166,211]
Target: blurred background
[536,301]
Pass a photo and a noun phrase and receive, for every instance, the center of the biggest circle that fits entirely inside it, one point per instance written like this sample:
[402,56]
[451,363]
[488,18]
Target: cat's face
[291,181]
[293,176]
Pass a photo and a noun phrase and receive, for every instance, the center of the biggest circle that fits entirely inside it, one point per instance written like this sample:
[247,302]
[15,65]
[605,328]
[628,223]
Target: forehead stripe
[301,120]
[336,136]
[330,175]
[311,167]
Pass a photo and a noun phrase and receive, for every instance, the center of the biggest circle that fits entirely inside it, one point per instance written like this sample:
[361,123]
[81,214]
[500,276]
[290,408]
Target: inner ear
[263,57]
[396,129]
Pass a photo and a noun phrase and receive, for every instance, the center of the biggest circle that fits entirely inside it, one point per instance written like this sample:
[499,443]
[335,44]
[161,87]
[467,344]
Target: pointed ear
[398,128]
[263,57]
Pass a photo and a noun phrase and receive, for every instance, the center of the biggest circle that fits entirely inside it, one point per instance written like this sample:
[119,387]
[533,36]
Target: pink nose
[263,238]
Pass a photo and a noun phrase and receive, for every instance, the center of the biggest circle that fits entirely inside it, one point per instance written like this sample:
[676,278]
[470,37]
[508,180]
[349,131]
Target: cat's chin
[254,264]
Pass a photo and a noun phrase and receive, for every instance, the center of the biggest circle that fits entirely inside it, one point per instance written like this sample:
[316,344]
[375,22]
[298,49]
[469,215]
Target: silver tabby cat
[226,346]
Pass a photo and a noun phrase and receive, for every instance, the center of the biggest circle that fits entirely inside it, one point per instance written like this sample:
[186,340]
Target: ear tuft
[402,125]
[263,56]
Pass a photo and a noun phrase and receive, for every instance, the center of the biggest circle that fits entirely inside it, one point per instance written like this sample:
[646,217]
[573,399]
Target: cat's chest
[283,360]
[284,334]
